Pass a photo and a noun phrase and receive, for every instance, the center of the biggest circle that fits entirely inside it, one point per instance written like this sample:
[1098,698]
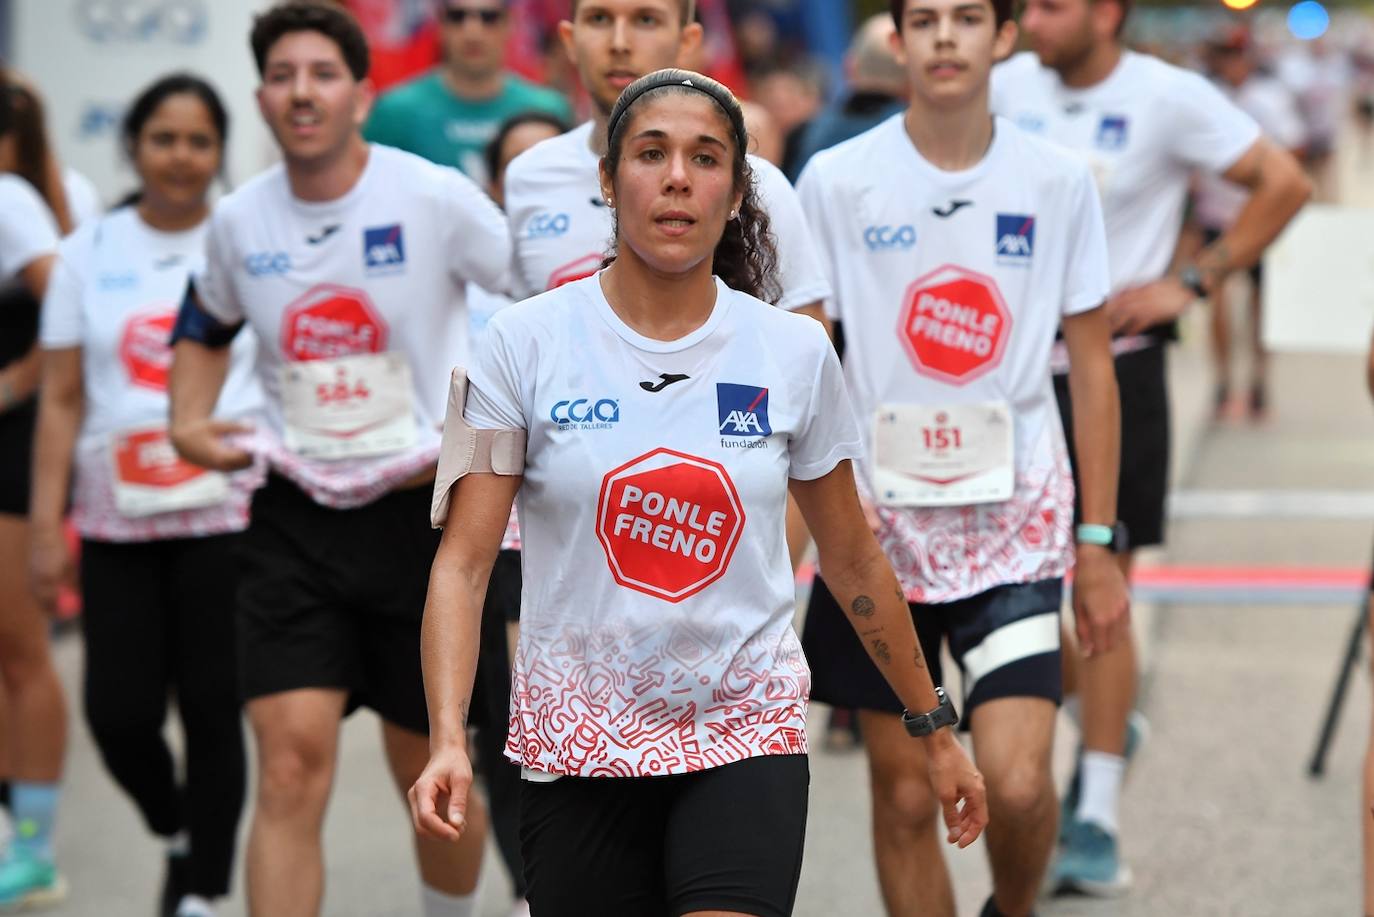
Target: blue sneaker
[1137,731]
[1090,864]
[29,882]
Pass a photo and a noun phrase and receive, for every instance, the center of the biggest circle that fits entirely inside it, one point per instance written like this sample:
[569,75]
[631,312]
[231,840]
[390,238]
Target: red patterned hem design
[685,702]
[950,553]
[345,484]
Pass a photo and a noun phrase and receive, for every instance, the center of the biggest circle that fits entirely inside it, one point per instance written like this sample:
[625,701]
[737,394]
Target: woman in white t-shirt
[652,419]
[158,566]
[33,213]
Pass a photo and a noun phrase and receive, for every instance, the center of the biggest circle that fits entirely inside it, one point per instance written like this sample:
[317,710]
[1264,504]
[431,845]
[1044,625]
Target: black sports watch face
[923,724]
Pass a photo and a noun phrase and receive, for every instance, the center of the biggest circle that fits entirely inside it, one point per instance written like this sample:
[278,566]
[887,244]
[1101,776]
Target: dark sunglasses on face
[457,15]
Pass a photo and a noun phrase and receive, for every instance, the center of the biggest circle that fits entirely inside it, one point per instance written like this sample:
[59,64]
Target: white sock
[179,844]
[194,906]
[1100,792]
[434,903]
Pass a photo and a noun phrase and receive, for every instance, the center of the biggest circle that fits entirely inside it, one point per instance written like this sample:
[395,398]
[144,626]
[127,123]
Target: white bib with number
[943,456]
[348,407]
[150,477]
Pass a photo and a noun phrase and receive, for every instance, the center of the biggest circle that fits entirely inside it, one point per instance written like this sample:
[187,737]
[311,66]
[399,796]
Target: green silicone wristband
[1095,534]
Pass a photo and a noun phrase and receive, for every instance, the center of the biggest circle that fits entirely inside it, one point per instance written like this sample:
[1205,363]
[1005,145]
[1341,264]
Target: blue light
[1308,20]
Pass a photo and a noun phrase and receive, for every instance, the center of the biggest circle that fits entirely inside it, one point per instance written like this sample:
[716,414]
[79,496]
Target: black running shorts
[723,839]
[16,457]
[1005,640]
[1144,478]
[332,598]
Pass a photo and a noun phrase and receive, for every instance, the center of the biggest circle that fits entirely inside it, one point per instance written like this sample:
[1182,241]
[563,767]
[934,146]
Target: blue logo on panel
[742,410]
[1111,133]
[384,249]
[1015,236]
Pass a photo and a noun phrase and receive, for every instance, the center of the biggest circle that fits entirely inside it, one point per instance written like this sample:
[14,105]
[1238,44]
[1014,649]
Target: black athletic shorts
[723,839]
[332,598]
[16,456]
[1144,479]
[1005,641]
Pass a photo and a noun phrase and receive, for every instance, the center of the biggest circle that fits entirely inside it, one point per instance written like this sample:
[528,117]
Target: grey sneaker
[1090,864]
[1137,732]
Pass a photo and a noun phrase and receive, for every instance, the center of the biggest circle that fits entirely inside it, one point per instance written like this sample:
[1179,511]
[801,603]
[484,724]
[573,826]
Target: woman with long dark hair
[158,565]
[33,214]
[652,420]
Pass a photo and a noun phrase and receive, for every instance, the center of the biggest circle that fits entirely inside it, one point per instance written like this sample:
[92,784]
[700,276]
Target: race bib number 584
[348,407]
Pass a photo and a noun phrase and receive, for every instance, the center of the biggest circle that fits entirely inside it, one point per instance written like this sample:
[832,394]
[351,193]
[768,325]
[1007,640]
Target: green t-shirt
[424,117]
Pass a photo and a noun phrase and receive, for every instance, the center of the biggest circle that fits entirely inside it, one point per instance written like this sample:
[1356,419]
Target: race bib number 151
[943,456]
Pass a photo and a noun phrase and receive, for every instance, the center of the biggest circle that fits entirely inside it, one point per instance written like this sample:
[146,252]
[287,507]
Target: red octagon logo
[147,458]
[954,324]
[331,321]
[582,268]
[143,348]
[669,523]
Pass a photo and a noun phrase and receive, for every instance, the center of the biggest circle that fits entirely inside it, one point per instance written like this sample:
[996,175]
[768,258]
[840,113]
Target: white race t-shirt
[115,293]
[656,616]
[381,270]
[1273,107]
[1144,130]
[27,228]
[950,287]
[562,228]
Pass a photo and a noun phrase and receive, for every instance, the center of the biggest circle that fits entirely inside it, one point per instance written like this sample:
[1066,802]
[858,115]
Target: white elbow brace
[465,449]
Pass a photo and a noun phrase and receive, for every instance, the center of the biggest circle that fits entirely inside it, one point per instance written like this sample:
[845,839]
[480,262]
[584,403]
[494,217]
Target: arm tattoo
[880,650]
[863,607]
[463,712]
[920,657]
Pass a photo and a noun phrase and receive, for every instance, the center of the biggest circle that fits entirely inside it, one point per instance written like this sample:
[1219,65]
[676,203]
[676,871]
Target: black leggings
[159,619]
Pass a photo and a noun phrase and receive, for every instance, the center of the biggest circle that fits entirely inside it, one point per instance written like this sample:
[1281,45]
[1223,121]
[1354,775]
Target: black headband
[686,79]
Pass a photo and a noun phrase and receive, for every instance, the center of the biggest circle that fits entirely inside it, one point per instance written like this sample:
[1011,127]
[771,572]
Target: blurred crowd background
[797,61]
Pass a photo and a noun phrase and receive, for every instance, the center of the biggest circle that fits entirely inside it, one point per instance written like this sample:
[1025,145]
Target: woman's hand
[956,781]
[50,565]
[439,799]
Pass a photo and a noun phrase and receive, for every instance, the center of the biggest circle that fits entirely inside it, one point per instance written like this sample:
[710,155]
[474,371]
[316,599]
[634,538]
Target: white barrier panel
[1319,282]
[90,57]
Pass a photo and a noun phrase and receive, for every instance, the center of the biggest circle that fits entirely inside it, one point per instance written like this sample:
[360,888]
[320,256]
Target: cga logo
[742,410]
[384,249]
[1015,236]
[586,414]
[267,264]
[890,238]
[547,226]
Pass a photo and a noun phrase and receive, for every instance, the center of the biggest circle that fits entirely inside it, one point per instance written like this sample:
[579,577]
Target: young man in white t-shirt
[957,247]
[1145,127]
[350,263]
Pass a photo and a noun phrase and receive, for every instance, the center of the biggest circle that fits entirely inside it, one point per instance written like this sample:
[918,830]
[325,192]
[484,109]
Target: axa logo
[384,249]
[890,238]
[586,413]
[1112,132]
[267,264]
[742,410]
[546,225]
[1015,237]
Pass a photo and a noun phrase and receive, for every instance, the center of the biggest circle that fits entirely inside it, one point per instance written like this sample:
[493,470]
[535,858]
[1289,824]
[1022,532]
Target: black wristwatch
[923,724]
[1191,277]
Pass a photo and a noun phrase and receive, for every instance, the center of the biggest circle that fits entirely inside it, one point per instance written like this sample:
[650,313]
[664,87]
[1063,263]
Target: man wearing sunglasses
[450,114]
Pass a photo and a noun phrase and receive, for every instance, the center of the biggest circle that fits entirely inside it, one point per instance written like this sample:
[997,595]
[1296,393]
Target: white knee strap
[467,450]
